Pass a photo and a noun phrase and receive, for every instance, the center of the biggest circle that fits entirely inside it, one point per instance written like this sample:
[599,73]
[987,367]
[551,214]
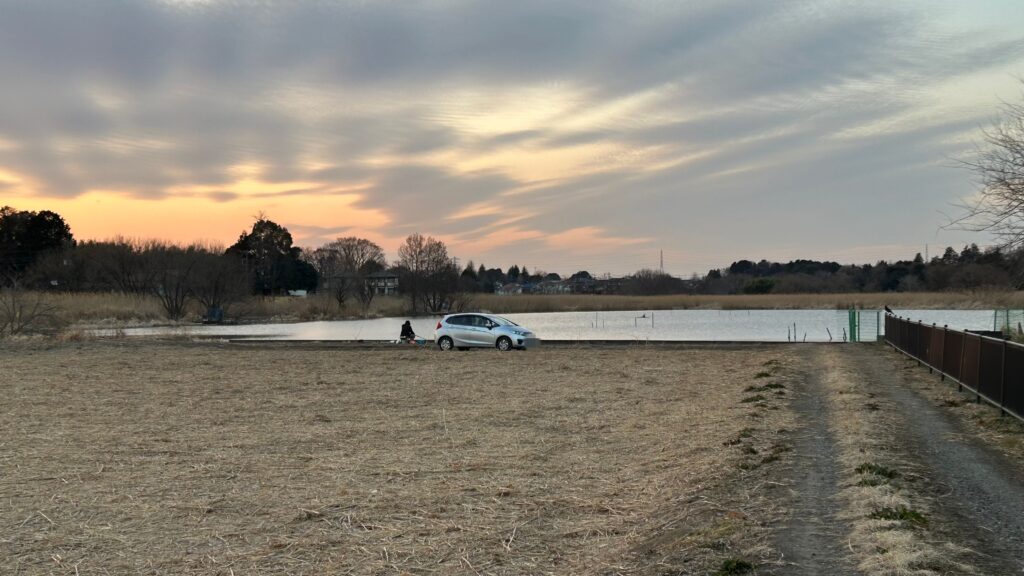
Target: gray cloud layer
[771,126]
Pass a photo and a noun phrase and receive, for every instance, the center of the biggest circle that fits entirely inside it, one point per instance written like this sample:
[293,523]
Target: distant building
[508,289]
[552,287]
[384,283]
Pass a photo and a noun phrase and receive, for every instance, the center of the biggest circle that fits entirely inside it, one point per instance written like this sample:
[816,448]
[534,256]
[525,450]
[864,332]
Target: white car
[465,331]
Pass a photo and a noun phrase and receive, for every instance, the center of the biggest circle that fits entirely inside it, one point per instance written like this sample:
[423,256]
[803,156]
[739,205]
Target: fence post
[917,343]
[1002,378]
[930,369]
[942,364]
[977,381]
[963,354]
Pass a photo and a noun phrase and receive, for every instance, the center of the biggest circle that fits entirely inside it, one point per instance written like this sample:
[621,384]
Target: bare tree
[172,270]
[21,311]
[327,262]
[344,266]
[361,258]
[998,207]
[430,277]
[218,280]
[123,264]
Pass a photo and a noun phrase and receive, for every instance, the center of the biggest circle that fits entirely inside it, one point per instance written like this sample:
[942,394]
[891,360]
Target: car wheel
[504,344]
[445,343]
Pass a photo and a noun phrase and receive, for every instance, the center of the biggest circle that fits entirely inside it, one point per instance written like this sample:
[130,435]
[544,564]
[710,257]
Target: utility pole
[662,253]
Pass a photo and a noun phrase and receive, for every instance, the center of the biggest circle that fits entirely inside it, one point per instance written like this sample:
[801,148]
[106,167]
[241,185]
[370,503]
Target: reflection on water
[663,325]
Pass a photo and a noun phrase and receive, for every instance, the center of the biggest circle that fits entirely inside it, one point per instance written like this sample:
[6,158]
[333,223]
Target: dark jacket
[407,333]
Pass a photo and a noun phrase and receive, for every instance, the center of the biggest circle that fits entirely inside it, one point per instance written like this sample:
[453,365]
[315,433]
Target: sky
[561,136]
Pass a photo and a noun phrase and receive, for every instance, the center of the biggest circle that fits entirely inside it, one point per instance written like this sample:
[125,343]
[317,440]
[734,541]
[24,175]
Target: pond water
[659,325]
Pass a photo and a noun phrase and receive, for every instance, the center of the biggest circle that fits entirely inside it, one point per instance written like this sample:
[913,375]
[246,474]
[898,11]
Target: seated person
[407,334]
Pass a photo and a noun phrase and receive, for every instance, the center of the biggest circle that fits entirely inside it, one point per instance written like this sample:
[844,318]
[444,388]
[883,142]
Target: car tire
[504,344]
[445,343]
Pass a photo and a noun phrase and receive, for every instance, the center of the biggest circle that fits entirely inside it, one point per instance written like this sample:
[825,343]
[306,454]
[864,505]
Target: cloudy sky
[562,136]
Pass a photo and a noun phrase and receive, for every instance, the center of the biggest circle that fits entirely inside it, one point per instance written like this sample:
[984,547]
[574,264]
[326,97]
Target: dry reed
[873,301]
[113,309]
[116,309]
[152,457]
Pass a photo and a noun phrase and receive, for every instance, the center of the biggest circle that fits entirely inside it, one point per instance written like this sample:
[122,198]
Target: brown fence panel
[924,336]
[972,354]
[914,339]
[924,341]
[1013,393]
[991,368]
[953,353]
[935,347]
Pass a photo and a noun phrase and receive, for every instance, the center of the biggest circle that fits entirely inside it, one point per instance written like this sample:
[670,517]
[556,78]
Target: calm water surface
[660,325]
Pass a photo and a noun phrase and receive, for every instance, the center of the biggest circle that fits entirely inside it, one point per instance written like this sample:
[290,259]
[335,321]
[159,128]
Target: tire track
[811,542]
[976,491]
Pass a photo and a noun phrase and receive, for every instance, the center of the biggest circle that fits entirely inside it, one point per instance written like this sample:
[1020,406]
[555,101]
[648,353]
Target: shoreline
[111,311]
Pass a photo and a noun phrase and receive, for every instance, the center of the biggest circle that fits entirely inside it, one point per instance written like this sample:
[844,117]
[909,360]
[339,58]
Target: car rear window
[456,321]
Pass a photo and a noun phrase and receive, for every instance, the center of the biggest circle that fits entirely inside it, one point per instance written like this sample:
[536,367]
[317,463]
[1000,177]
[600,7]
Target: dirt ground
[176,458]
[168,457]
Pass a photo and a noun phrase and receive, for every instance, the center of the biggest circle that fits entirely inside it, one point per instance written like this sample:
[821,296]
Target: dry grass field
[81,310]
[135,457]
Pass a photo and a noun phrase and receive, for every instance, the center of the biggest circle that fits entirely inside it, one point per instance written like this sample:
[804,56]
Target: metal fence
[991,368]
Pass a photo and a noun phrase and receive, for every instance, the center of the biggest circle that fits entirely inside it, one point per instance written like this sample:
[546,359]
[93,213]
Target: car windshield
[503,321]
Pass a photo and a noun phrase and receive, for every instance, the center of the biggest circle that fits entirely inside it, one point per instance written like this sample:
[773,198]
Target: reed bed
[872,301]
[134,457]
[114,309]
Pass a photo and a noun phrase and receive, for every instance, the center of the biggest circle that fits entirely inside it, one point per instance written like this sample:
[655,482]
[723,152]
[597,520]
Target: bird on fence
[888,310]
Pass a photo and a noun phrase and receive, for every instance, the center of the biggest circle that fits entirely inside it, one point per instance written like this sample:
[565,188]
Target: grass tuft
[901,514]
[763,374]
[877,470]
[754,398]
[766,387]
[733,566]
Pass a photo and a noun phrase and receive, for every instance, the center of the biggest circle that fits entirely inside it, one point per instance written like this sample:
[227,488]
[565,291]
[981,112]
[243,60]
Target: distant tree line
[38,250]
[969,269]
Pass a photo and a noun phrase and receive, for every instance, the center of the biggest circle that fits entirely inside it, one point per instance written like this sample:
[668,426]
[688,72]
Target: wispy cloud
[586,132]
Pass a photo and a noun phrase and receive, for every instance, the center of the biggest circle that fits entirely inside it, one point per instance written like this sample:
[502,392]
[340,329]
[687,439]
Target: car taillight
[438,325]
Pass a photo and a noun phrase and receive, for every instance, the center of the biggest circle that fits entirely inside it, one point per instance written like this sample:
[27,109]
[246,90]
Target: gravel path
[977,495]
[977,491]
